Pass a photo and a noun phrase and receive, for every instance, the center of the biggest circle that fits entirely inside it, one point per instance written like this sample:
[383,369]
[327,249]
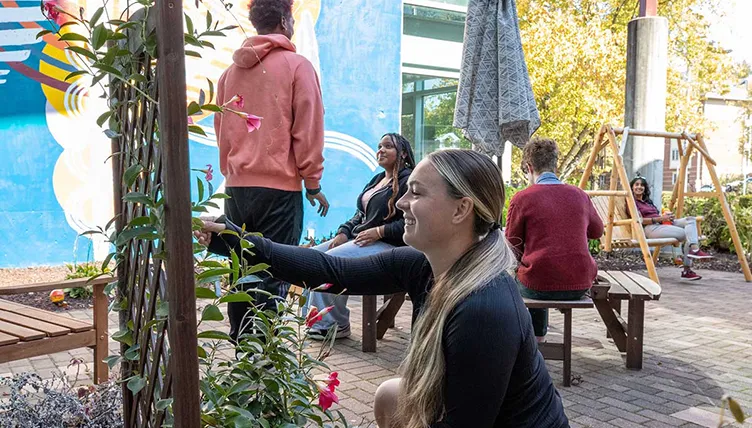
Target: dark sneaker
[690,275]
[318,334]
[699,254]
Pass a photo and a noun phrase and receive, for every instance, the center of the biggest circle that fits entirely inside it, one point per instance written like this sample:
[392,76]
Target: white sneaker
[318,334]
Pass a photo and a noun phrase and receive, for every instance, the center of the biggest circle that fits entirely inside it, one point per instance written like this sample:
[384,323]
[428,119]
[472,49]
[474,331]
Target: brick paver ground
[698,346]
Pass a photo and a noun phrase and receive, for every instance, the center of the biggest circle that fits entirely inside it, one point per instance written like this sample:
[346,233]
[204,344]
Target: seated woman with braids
[473,360]
[376,226]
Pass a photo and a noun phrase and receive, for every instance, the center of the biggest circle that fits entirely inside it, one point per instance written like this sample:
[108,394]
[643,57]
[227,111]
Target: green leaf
[192,53]
[212,107]
[137,77]
[83,52]
[200,185]
[103,118]
[136,384]
[98,36]
[211,89]
[736,410]
[210,273]
[111,286]
[213,334]
[130,174]
[112,360]
[163,404]
[43,33]
[220,196]
[236,298]
[205,293]
[123,336]
[210,263]
[163,309]
[106,263]
[193,108]
[196,130]
[74,74]
[133,353]
[138,197]
[96,16]
[214,33]
[199,209]
[146,232]
[208,19]
[108,69]
[188,24]
[211,313]
[109,132]
[139,221]
[258,268]
[249,279]
[73,37]
[201,352]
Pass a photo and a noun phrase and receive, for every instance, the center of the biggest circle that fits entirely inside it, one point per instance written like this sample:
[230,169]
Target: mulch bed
[42,301]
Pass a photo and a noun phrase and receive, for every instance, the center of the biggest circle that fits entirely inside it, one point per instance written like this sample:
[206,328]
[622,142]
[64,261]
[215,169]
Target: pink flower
[312,317]
[323,287]
[190,120]
[209,172]
[326,398]
[253,122]
[332,381]
[239,100]
[51,10]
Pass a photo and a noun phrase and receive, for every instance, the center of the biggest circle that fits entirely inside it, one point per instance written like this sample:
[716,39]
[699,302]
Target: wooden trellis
[156,281]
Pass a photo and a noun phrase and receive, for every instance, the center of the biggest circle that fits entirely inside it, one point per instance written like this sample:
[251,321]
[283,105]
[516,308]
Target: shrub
[82,270]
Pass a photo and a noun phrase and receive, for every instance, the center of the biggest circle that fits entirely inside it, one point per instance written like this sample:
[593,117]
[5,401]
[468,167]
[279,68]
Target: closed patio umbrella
[495,101]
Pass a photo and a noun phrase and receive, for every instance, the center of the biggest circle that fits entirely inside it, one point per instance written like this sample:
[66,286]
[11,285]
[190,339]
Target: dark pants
[276,214]
[540,316]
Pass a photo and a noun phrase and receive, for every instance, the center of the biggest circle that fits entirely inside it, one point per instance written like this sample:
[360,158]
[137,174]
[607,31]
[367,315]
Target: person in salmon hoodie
[265,157]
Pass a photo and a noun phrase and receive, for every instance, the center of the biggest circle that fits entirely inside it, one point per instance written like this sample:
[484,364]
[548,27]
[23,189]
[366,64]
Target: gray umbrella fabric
[495,101]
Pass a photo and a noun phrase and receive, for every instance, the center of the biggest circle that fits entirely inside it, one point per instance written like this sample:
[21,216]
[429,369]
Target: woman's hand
[203,236]
[368,237]
[338,240]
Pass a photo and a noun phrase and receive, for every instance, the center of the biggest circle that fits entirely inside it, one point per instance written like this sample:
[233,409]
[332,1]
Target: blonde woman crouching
[473,360]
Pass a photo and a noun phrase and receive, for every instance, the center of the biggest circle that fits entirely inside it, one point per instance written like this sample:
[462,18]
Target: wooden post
[726,213]
[593,155]
[369,324]
[681,182]
[101,329]
[635,332]
[181,291]
[637,231]
[611,207]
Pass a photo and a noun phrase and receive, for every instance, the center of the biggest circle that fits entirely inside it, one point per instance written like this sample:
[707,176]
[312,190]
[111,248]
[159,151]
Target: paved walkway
[698,346]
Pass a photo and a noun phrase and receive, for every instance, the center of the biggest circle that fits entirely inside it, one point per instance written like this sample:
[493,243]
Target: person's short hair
[542,153]
[265,15]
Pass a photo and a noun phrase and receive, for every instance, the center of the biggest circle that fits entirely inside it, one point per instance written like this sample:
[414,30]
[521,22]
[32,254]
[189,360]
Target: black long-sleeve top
[375,213]
[495,376]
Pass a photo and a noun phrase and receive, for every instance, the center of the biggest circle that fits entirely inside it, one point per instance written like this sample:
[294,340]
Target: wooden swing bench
[27,332]
[617,208]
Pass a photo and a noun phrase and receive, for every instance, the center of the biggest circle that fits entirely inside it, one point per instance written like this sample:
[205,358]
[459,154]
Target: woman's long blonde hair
[466,174]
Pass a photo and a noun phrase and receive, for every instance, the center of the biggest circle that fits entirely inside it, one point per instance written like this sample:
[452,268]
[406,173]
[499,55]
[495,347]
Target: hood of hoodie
[255,48]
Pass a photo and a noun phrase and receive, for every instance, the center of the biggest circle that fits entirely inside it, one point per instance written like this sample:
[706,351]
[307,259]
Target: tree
[576,56]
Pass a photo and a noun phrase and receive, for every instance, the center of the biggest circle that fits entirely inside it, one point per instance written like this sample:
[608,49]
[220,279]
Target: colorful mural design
[55,180]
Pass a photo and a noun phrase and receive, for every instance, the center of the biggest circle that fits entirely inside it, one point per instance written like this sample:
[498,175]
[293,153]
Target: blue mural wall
[55,183]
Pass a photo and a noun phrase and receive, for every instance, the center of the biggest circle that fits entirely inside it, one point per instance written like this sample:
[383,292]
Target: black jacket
[378,208]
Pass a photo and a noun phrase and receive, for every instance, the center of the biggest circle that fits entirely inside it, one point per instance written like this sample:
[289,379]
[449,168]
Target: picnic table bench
[27,332]
[609,290]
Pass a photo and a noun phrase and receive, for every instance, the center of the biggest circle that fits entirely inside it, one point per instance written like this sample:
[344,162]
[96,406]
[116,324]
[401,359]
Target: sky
[734,29]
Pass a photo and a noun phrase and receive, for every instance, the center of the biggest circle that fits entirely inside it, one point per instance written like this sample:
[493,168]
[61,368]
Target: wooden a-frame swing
[617,208]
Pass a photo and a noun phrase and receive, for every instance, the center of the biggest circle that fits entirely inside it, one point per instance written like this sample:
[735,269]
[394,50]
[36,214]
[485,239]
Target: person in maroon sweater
[548,226]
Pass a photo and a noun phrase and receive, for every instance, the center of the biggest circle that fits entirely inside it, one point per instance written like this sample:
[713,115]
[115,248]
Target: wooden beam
[702,150]
[593,155]
[48,286]
[611,192]
[658,134]
[701,194]
[181,290]
[727,215]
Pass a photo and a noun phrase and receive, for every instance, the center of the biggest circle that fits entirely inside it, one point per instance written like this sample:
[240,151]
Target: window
[673,154]
[427,114]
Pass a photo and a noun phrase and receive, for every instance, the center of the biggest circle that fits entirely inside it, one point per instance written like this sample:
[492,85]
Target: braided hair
[405,159]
